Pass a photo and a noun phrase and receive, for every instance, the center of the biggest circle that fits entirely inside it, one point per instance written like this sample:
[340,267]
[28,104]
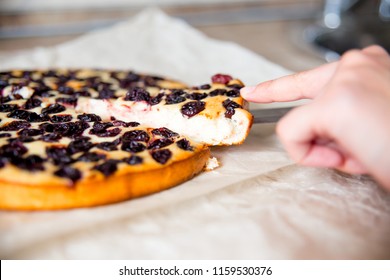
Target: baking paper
[257,205]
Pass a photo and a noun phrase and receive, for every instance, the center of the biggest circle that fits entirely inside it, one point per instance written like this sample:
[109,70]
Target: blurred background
[297,34]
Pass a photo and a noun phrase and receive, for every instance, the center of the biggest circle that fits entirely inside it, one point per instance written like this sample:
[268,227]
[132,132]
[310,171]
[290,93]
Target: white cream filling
[217,131]
[25,92]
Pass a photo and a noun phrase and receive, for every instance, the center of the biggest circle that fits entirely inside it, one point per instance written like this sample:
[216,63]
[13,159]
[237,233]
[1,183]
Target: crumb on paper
[211,164]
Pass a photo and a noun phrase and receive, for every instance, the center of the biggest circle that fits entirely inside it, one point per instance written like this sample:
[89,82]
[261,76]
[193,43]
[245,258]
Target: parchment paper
[258,204]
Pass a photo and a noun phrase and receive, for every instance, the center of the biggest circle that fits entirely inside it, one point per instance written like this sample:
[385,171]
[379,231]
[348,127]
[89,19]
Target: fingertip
[259,93]
[246,92]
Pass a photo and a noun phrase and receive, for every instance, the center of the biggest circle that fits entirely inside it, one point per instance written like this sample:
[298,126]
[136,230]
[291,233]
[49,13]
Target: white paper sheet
[258,204]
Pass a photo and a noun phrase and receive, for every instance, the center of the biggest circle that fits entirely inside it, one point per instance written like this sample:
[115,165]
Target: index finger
[306,84]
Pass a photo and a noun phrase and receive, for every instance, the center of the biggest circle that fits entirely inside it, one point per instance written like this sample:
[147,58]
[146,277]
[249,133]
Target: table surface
[273,30]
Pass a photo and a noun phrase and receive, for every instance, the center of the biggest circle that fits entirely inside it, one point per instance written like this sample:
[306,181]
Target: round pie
[79,138]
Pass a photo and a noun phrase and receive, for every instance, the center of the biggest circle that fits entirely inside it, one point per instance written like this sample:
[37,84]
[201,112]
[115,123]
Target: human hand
[347,124]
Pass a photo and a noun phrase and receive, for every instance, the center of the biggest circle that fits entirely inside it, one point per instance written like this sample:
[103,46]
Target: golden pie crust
[87,137]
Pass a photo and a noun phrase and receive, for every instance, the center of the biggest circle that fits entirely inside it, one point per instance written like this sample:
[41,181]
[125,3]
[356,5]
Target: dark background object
[348,24]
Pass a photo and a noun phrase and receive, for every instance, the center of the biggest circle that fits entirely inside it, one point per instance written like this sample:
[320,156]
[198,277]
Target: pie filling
[52,120]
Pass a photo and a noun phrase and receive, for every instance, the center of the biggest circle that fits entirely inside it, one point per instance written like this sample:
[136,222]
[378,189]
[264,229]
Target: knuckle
[372,56]
[353,56]
[284,129]
[279,131]
[375,49]
[280,128]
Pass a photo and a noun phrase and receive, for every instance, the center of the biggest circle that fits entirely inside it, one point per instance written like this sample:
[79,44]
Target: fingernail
[245,91]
